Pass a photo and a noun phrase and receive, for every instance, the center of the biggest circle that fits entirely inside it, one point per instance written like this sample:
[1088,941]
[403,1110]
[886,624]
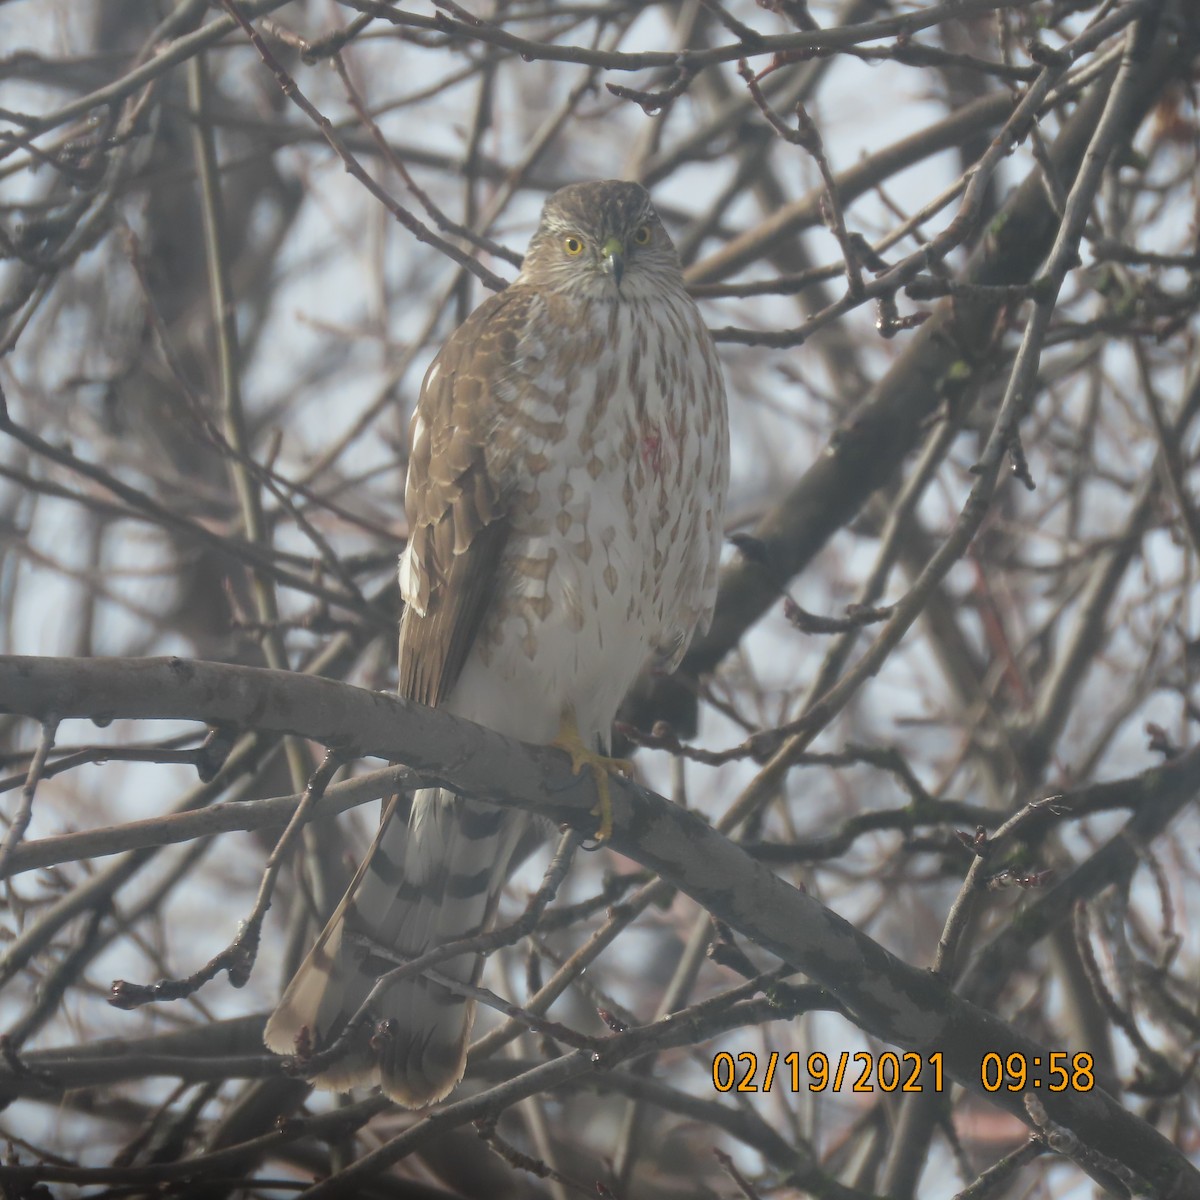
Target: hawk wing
[436,877]
[455,499]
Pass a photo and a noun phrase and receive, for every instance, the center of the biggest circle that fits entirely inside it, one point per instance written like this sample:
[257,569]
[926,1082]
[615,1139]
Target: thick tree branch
[870,445]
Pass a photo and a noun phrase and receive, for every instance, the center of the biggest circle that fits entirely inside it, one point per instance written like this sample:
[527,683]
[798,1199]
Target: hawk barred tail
[565,496]
[418,887]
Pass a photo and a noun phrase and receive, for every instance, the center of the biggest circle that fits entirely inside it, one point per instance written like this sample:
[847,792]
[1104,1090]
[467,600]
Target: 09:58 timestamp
[1018,1072]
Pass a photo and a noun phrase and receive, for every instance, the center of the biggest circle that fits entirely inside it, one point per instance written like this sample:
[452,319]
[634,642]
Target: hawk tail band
[420,886]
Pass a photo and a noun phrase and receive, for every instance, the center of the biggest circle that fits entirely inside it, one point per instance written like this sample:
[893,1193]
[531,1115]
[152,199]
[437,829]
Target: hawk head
[601,240]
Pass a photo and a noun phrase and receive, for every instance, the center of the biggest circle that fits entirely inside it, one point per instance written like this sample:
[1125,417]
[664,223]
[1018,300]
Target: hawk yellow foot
[584,758]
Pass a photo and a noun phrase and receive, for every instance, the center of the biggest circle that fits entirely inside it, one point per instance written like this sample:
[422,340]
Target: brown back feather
[456,499]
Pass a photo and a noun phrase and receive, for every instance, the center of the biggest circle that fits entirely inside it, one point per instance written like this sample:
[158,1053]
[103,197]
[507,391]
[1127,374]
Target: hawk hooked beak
[614,258]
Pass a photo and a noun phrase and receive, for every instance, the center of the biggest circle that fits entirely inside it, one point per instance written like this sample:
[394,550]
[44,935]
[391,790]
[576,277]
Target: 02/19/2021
[861,1072]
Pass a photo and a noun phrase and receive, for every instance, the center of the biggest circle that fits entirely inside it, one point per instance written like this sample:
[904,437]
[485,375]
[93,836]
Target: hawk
[565,492]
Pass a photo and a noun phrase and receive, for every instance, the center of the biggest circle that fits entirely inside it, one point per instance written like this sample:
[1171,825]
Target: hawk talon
[601,767]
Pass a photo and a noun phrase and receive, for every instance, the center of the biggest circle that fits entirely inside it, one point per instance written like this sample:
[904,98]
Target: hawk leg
[601,766]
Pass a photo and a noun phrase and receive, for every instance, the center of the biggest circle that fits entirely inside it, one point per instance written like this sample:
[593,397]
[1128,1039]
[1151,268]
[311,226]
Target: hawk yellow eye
[573,245]
[641,235]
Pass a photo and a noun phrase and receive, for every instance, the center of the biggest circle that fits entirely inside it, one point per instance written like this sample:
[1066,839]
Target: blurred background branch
[950,251]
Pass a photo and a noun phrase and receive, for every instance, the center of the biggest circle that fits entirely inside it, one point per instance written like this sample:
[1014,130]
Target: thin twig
[292,91]
[237,959]
[24,813]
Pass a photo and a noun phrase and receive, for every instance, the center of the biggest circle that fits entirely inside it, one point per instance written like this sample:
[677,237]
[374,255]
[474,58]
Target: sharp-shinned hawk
[570,460]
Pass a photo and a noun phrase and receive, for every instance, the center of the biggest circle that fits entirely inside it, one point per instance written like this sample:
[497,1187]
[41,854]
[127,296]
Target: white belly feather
[613,551]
